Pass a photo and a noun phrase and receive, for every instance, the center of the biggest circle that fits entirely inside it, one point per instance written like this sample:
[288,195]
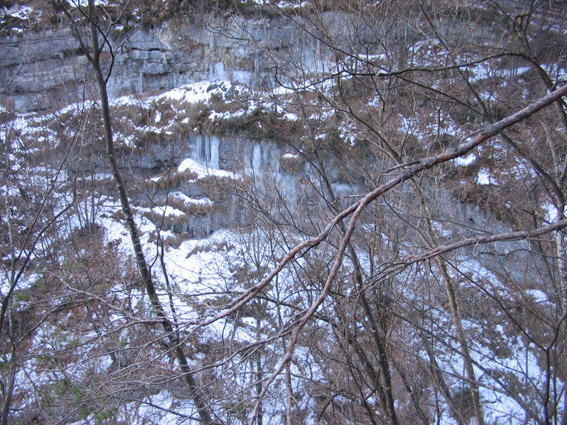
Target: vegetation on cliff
[369,230]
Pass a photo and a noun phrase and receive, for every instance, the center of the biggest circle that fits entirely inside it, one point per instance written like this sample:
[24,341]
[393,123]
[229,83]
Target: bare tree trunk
[455,308]
[376,329]
[561,250]
[8,390]
[289,395]
[439,380]
[195,392]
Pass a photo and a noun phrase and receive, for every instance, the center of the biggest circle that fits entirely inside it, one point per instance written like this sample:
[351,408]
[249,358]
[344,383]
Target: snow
[203,171]
[193,93]
[552,213]
[484,177]
[20,11]
[114,230]
[465,160]
[85,3]
[196,92]
[168,211]
[202,271]
[483,72]
[162,407]
[557,71]
[289,4]
[539,296]
[9,191]
[226,115]
[281,4]
[290,156]
[187,200]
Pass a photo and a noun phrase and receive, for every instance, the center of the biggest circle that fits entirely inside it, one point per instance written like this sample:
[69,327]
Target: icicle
[257,158]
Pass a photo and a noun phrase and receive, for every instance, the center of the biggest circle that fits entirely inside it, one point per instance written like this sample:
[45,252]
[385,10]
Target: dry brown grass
[172,179]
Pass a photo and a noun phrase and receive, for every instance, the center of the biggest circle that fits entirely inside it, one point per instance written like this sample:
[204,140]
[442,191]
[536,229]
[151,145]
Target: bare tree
[98,42]
[378,78]
[403,263]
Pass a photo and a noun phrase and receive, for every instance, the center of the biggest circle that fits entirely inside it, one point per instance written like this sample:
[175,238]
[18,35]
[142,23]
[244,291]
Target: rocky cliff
[40,68]
[47,70]
[415,280]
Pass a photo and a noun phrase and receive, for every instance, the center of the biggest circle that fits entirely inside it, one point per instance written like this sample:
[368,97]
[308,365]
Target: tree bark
[187,376]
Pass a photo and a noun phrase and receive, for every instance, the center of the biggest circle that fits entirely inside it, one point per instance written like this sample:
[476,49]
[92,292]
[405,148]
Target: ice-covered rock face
[46,68]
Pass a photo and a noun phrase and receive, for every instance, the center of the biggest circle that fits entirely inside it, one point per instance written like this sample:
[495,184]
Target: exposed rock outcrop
[41,69]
